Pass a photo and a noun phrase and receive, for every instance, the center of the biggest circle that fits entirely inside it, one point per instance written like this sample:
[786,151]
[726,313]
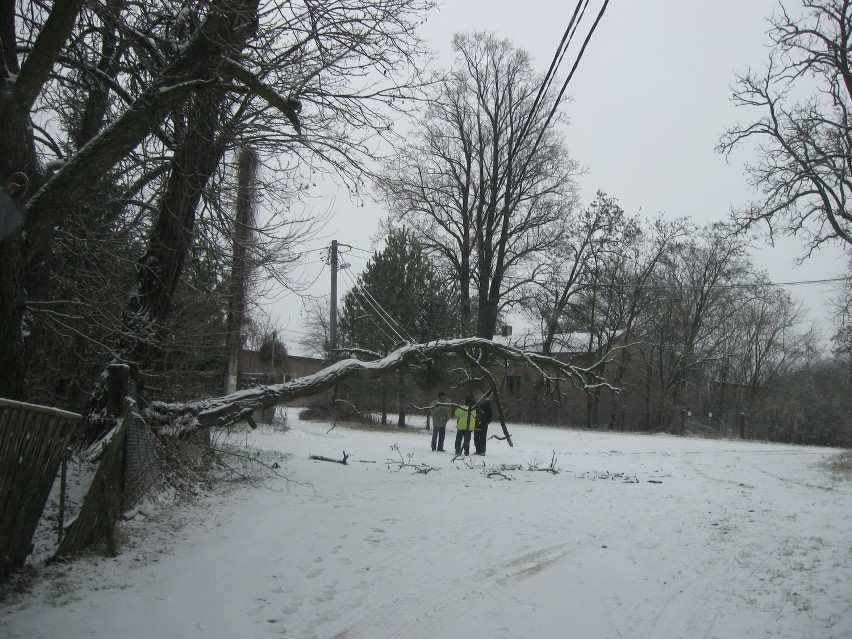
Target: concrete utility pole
[240,266]
[332,321]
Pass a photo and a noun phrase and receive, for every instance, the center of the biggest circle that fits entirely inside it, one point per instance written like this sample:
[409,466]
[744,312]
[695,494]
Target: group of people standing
[472,420]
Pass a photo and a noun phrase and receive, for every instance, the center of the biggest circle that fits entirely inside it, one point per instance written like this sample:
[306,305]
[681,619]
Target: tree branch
[289,106]
[180,419]
[37,66]
[193,70]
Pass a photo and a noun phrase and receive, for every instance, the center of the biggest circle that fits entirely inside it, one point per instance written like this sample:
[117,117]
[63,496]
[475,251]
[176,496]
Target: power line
[378,309]
[293,330]
[835,280]
[672,287]
[561,50]
[355,248]
[803,282]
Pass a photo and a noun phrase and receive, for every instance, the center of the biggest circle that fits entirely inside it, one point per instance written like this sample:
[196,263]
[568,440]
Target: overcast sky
[648,103]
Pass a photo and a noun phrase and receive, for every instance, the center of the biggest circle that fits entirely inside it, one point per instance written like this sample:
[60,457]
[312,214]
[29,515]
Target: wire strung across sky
[451,305]
[735,285]
[367,300]
[741,285]
[558,57]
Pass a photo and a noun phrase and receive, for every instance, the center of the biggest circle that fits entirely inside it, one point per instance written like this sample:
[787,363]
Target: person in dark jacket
[465,423]
[483,418]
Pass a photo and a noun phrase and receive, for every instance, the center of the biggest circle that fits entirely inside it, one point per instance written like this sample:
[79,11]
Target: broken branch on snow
[548,469]
[329,459]
[402,463]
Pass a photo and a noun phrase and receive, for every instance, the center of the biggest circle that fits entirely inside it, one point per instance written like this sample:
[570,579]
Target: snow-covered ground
[636,536]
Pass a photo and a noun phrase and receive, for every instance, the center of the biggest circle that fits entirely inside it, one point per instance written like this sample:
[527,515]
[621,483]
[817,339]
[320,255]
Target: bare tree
[693,287]
[478,186]
[842,337]
[54,198]
[168,94]
[764,345]
[590,238]
[618,301]
[804,161]
[317,327]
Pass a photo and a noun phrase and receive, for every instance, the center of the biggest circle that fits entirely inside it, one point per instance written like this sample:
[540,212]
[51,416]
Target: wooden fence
[33,443]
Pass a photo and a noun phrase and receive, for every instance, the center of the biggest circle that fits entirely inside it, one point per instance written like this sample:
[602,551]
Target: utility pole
[332,322]
[240,265]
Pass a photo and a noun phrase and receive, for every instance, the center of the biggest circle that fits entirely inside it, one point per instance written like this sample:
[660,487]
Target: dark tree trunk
[401,399]
[592,404]
[12,359]
[384,402]
[160,268]
[20,172]
[646,418]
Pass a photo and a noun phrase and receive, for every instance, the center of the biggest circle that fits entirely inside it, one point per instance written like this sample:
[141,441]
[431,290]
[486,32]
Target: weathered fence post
[62,483]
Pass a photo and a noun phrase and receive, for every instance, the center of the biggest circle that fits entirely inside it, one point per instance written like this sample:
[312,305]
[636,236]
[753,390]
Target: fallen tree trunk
[180,419]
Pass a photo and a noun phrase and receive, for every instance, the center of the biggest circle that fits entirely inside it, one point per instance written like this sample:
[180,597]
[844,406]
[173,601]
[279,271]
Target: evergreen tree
[398,298]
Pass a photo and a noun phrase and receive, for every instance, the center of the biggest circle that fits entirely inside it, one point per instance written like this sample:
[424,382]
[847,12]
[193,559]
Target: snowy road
[636,536]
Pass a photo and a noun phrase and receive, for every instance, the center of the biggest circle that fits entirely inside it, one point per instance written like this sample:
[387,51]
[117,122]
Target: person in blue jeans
[441,414]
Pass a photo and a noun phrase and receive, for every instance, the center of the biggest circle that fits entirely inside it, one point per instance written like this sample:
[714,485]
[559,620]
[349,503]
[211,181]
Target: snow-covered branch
[179,419]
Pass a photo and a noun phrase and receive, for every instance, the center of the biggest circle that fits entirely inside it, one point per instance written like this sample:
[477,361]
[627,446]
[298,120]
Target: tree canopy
[804,151]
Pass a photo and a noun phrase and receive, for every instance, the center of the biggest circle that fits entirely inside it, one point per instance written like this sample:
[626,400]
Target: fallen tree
[180,419]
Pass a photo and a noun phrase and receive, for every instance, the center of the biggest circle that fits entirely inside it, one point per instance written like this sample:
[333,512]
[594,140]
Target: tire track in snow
[530,564]
[795,482]
[444,603]
[680,617]
[454,597]
[753,467]
[720,480]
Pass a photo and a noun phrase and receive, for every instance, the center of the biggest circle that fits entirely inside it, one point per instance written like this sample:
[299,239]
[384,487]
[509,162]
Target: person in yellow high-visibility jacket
[465,424]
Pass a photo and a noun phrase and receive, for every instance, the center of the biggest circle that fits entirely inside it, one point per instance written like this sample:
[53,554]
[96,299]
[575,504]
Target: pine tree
[398,298]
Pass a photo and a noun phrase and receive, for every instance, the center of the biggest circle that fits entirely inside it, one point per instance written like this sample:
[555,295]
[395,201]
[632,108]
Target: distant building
[254,372]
